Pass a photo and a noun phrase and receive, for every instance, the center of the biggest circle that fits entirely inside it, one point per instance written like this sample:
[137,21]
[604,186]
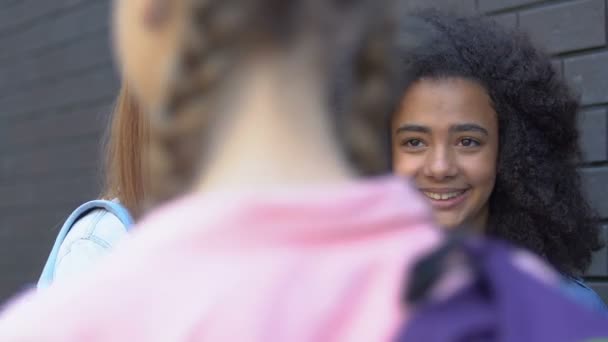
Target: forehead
[444,102]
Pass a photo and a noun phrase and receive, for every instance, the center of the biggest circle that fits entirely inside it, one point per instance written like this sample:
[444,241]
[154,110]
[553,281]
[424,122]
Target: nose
[440,164]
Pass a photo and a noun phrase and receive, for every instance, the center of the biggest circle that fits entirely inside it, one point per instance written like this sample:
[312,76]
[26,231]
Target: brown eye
[468,142]
[413,143]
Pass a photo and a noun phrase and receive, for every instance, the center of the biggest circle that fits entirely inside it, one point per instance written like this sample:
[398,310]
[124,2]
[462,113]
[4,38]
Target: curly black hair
[537,202]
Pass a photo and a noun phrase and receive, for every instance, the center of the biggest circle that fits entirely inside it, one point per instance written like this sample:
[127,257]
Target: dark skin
[445,137]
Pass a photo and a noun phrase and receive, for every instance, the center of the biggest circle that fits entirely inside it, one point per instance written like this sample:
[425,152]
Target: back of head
[183,58]
[246,268]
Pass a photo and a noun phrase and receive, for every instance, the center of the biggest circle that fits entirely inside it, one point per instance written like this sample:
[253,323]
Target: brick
[9,3]
[600,288]
[57,84]
[508,20]
[96,84]
[43,162]
[55,127]
[593,126]
[47,220]
[56,30]
[456,6]
[595,180]
[21,260]
[28,11]
[588,74]
[29,248]
[559,28]
[599,264]
[31,255]
[53,64]
[486,6]
[70,189]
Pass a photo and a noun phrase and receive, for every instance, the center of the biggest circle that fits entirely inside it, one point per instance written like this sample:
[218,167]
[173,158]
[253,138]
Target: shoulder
[98,226]
[576,289]
[91,237]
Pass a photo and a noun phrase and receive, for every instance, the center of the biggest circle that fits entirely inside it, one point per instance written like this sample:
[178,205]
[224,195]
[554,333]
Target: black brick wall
[567,26]
[57,84]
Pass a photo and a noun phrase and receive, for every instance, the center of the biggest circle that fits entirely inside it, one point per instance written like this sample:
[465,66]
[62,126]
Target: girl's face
[445,137]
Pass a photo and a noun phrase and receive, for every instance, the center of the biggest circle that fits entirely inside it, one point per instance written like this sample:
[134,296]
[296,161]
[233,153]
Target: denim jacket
[88,234]
[580,292]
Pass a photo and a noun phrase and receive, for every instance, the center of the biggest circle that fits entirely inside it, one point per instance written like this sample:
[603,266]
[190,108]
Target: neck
[278,134]
[480,223]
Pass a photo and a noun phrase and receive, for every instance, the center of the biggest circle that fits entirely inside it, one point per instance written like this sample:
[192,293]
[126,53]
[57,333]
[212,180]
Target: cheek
[481,171]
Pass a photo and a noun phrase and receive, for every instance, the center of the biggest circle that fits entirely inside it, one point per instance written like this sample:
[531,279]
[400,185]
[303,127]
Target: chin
[449,222]
[447,225]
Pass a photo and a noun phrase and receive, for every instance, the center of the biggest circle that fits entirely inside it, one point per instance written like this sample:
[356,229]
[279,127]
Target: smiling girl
[487,130]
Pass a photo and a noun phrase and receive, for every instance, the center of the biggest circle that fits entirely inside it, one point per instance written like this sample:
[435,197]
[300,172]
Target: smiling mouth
[443,196]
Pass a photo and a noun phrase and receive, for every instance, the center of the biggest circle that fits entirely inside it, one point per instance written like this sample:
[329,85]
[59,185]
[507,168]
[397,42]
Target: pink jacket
[299,264]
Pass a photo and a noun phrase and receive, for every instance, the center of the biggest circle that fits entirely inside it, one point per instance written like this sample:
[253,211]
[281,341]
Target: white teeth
[443,196]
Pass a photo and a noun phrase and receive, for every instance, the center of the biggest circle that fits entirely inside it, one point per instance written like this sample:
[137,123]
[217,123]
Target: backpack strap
[48,272]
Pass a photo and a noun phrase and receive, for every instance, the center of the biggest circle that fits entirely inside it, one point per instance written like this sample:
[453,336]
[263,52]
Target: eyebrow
[468,127]
[413,128]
